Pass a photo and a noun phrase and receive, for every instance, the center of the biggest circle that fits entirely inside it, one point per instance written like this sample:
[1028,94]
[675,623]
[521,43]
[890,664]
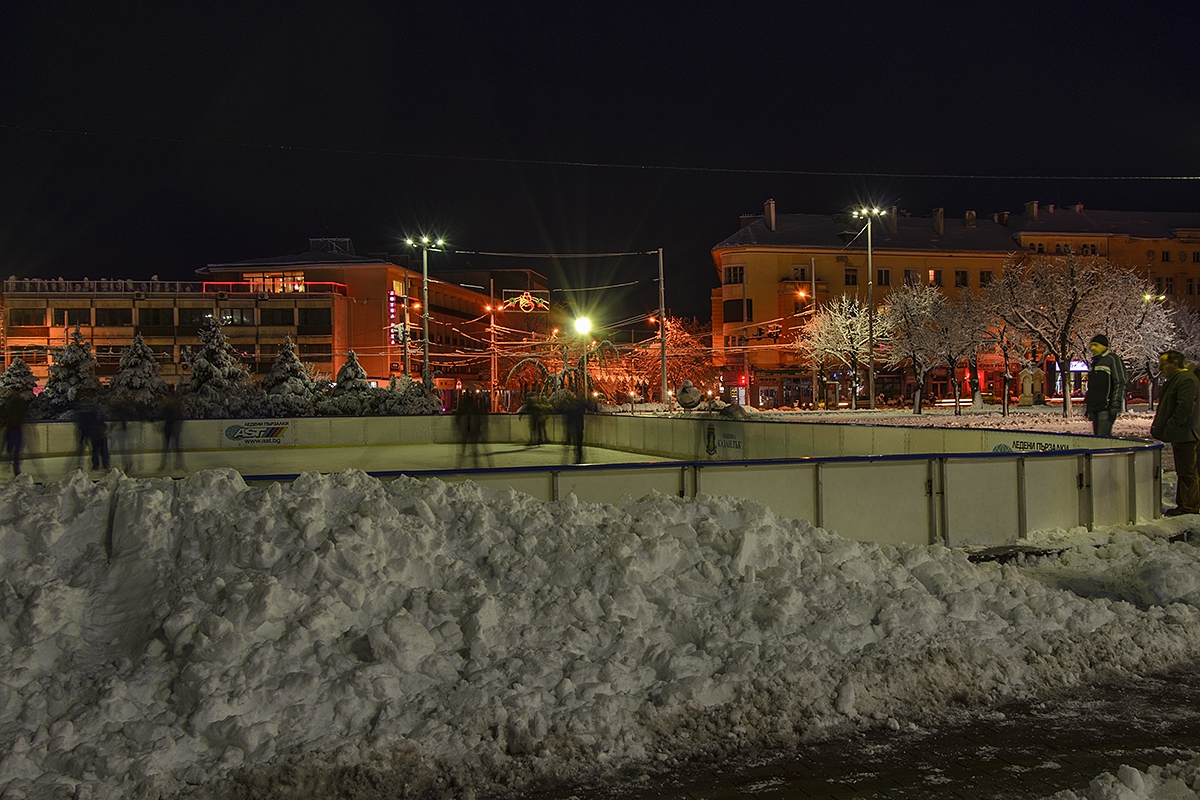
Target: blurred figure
[537,410]
[16,406]
[471,419]
[91,428]
[123,416]
[172,420]
[573,413]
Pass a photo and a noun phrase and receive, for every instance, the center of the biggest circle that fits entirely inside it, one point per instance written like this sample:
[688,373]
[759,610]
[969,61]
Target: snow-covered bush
[219,387]
[138,387]
[72,378]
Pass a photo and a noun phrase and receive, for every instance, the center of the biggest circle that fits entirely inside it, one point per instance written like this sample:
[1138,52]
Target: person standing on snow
[1106,387]
[1177,421]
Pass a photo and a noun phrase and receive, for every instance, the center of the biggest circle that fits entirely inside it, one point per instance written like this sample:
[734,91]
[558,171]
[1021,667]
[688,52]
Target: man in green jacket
[1177,421]
[1106,387]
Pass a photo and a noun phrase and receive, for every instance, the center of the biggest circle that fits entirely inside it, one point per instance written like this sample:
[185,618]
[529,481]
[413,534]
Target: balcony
[266,291]
[41,287]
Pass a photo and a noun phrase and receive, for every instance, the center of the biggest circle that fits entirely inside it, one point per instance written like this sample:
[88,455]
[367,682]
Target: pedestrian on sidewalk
[1106,387]
[1177,421]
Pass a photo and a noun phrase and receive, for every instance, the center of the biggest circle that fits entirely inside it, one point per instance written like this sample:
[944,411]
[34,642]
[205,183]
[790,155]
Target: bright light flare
[583,326]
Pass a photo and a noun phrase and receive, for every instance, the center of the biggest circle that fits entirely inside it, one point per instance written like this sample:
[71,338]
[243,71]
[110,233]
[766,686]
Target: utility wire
[595,164]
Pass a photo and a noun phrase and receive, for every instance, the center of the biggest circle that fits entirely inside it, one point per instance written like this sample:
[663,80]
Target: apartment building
[777,267]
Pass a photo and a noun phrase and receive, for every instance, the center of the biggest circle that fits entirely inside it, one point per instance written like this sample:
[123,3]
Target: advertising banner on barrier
[272,433]
[723,442]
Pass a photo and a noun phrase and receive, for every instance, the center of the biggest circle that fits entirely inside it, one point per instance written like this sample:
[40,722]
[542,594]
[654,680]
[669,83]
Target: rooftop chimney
[939,221]
[1000,218]
[1077,208]
[1050,208]
[969,220]
[769,214]
[891,221]
[1031,210]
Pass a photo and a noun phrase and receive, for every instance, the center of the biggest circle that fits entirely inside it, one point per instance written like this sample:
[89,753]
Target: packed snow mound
[1179,780]
[200,635]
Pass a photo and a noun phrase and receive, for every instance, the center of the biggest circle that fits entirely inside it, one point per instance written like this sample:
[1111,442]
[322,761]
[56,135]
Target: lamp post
[583,326]
[869,214]
[425,244]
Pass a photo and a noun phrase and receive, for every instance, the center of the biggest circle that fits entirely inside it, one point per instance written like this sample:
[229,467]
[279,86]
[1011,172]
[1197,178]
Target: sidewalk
[1017,750]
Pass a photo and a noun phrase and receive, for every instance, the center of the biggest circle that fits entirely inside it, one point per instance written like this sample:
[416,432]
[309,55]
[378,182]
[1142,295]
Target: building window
[114,317]
[1058,249]
[156,316]
[935,277]
[985,277]
[237,316]
[284,281]
[1158,286]
[1168,285]
[108,354]
[912,277]
[26,316]
[1094,250]
[852,276]
[731,311]
[799,273]
[1191,285]
[1041,248]
[31,355]
[735,274]
[70,317]
[1196,256]
[1166,256]
[315,316]
[883,277]
[960,278]
[276,316]
[315,352]
[194,316]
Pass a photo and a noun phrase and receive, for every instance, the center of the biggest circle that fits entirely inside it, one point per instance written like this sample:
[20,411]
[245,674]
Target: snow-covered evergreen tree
[72,377]
[17,378]
[289,386]
[219,387]
[138,384]
[351,378]
[405,397]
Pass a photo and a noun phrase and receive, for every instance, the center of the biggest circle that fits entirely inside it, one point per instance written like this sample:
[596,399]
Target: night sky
[140,139]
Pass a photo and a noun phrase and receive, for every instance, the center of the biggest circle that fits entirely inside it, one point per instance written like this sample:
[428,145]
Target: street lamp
[425,243]
[583,326]
[869,214]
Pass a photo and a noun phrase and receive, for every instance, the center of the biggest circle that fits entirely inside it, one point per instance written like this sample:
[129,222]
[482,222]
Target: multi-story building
[328,300]
[778,266]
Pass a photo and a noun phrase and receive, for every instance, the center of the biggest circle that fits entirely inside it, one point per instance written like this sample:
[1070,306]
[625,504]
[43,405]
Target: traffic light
[742,379]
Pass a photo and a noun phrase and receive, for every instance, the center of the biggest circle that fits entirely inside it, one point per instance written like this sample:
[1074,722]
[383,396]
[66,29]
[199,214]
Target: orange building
[776,265]
[328,300]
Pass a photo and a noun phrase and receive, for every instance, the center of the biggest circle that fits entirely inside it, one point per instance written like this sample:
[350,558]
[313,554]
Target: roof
[322,259]
[917,233]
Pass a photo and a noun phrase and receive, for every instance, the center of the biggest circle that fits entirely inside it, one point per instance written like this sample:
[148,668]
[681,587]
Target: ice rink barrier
[890,484]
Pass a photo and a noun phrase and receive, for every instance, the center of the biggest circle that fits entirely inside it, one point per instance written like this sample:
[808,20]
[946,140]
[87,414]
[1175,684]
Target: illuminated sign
[533,300]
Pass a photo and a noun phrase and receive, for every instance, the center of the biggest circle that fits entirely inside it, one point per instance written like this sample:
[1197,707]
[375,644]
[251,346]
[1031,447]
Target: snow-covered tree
[219,387]
[911,311]
[687,358]
[351,377]
[1060,301]
[405,397]
[839,332]
[290,388]
[957,326]
[1186,323]
[72,377]
[18,378]
[138,385]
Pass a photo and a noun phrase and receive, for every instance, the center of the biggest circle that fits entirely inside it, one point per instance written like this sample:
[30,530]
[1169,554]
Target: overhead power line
[594,164]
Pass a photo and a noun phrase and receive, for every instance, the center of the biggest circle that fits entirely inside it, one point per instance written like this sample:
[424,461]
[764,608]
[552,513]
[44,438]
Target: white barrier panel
[877,500]
[789,490]
[982,500]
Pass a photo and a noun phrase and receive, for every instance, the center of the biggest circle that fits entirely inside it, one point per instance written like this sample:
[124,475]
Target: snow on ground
[205,638]
[1178,780]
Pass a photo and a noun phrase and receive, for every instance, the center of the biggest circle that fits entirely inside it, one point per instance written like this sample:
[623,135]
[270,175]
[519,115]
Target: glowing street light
[425,243]
[583,326]
[869,214]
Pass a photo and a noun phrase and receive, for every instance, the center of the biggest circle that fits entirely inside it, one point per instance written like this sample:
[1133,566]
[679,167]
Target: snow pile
[160,636]
[1176,781]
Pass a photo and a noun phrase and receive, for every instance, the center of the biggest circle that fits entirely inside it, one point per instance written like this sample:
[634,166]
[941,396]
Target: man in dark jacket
[1106,387]
[1178,421]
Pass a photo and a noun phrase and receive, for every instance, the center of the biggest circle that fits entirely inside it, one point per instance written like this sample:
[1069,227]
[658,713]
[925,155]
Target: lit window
[935,277]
